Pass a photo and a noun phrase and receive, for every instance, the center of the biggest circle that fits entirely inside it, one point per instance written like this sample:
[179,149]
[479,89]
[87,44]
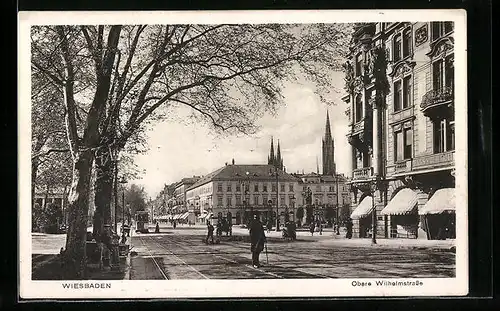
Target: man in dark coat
[349,229]
[257,239]
[210,232]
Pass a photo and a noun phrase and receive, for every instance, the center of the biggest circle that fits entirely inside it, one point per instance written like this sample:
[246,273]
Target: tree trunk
[78,206]
[103,190]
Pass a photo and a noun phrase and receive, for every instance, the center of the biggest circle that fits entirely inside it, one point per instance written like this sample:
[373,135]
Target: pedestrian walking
[157,229]
[269,225]
[320,225]
[348,229]
[257,240]
[174,224]
[311,228]
[210,232]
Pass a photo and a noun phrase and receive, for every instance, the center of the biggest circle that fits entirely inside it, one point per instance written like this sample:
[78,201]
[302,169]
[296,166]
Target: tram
[142,221]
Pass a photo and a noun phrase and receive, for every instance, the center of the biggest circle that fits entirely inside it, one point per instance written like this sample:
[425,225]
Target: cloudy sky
[180,150]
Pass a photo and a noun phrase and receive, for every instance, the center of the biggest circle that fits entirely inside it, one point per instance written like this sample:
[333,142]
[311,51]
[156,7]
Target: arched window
[359,108]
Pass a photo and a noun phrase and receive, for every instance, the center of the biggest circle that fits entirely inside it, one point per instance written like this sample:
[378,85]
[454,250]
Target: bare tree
[229,75]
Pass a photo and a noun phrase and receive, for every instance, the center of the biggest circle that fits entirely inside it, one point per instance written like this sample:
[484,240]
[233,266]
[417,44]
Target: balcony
[403,166]
[362,173]
[436,100]
[438,160]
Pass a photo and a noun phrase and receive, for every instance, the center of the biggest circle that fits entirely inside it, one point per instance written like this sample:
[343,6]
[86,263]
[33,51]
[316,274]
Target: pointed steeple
[279,160]
[271,158]
[328,134]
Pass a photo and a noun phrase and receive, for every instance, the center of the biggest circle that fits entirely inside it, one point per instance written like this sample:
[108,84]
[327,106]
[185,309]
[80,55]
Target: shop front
[439,215]
[403,213]
[361,220]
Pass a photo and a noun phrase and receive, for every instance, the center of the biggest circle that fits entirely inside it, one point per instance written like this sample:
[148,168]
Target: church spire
[328,149]
[328,134]
[279,160]
[271,159]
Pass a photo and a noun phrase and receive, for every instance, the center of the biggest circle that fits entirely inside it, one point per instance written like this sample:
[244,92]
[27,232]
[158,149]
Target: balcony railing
[403,166]
[434,160]
[362,173]
[436,97]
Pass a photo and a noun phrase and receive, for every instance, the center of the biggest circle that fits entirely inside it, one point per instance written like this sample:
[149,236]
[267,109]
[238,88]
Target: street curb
[127,268]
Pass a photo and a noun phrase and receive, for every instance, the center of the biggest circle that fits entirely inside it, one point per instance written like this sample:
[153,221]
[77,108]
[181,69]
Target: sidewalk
[330,238]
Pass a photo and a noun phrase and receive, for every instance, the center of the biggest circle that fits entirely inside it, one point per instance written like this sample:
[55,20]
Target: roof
[238,172]
[404,202]
[442,201]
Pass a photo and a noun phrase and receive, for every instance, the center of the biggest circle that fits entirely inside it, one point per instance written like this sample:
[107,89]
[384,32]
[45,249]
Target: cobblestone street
[182,254]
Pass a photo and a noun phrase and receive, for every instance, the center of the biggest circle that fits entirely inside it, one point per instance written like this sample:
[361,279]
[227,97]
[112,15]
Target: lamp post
[337,212]
[373,188]
[275,174]
[292,203]
[123,181]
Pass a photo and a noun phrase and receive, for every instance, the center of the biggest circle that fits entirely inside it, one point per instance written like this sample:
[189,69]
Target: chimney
[232,161]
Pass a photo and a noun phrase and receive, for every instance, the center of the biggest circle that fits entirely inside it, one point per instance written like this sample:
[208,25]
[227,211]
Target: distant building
[234,191]
[180,209]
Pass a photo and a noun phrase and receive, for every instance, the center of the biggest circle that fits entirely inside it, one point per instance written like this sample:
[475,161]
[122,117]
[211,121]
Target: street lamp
[123,181]
[275,174]
[292,203]
[373,188]
[337,216]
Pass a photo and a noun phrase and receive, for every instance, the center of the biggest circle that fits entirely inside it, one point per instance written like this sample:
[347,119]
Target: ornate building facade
[400,85]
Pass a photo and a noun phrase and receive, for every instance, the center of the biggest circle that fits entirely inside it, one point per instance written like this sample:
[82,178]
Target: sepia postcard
[242,154]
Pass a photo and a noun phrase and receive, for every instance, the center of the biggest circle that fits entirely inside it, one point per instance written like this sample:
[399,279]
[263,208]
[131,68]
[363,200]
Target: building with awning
[361,221]
[439,214]
[364,208]
[443,201]
[402,209]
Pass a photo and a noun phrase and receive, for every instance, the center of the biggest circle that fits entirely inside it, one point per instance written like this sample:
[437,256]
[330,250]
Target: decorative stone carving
[421,35]
[442,46]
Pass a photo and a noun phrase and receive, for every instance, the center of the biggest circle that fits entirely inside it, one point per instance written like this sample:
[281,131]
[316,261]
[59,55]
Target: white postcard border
[238,288]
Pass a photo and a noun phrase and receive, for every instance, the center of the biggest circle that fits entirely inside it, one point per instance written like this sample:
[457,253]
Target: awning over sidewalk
[176,216]
[404,202]
[184,216]
[442,201]
[202,216]
[364,208]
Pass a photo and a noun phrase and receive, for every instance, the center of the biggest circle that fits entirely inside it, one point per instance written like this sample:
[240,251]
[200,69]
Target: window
[437,75]
[256,188]
[407,92]
[282,187]
[290,187]
[331,189]
[273,187]
[219,187]
[229,189]
[397,96]
[397,48]
[238,188]
[449,71]
[229,201]
[440,29]
[318,188]
[444,135]
[443,73]
[282,200]
[408,140]
[219,200]
[247,188]
[403,144]
[407,43]
[359,109]
[238,200]
[264,188]
[256,199]
[359,62]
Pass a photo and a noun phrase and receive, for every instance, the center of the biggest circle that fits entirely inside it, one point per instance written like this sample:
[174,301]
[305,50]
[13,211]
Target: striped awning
[404,202]
[364,208]
[202,216]
[184,216]
[442,201]
[176,216]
